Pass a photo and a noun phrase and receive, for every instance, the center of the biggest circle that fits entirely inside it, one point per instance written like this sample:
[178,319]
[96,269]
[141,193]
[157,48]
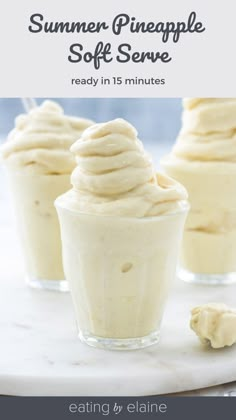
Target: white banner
[126,48]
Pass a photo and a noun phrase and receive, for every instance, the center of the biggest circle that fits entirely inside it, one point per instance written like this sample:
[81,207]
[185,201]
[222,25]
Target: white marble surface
[41,355]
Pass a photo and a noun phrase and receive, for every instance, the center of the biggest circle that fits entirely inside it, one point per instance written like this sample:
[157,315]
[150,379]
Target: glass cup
[39,231]
[120,271]
[209,242]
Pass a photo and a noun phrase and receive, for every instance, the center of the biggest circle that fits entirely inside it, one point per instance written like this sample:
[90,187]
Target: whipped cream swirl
[41,140]
[208,130]
[115,176]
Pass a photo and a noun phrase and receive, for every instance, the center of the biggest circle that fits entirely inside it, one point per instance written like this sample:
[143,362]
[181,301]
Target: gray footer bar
[174,408]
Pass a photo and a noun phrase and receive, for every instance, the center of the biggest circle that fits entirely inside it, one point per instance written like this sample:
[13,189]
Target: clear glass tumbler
[38,226]
[119,271]
[208,251]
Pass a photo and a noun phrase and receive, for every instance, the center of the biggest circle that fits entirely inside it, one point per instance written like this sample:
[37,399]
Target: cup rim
[185,206]
[218,167]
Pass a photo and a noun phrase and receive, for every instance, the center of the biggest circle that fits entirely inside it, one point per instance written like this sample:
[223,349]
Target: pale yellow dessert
[214,324]
[204,161]
[121,227]
[39,164]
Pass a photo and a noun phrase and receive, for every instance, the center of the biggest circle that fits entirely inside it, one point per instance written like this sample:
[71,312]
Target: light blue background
[157,120]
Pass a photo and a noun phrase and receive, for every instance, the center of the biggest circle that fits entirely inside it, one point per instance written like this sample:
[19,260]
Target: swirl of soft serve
[208,130]
[41,140]
[115,176]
